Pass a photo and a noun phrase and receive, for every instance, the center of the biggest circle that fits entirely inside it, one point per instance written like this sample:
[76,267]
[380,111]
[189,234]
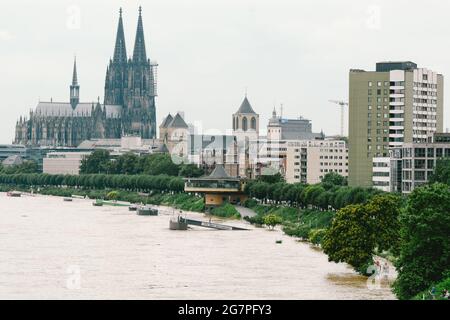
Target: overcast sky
[297,53]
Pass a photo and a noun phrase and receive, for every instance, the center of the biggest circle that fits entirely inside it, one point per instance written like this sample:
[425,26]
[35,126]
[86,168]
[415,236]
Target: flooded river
[50,249]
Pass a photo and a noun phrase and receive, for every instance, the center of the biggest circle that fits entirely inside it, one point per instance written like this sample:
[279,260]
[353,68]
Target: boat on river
[133,207]
[147,211]
[114,203]
[97,203]
[14,194]
[68,199]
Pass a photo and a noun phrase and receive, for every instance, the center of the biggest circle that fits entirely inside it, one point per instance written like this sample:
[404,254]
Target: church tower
[74,88]
[117,71]
[132,84]
[141,91]
[246,122]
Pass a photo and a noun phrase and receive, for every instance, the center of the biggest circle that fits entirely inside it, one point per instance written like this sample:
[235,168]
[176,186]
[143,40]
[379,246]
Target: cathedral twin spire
[139,54]
[120,51]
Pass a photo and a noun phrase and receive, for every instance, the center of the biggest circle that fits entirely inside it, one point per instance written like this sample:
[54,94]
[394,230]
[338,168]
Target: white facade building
[309,161]
[381,176]
[63,162]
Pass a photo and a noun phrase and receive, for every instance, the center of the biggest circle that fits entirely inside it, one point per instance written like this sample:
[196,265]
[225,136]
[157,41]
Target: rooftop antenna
[281,111]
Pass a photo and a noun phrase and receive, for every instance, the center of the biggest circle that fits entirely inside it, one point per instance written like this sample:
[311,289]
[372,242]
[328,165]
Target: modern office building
[395,104]
[410,165]
[419,160]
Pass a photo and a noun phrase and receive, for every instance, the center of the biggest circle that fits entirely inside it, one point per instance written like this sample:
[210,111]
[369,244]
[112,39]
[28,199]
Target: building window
[253,123]
[244,124]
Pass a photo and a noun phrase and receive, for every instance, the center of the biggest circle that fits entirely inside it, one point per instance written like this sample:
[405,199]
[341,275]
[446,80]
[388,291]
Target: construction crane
[342,104]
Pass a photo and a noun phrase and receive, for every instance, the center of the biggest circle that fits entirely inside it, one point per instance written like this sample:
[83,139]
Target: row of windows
[422,125]
[429,152]
[381,174]
[381,183]
[331,157]
[332,164]
[244,125]
[385,92]
[425,101]
[378,107]
[385,115]
[379,99]
[425,116]
[424,108]
[380,164]
[385,131]
[385,124]
[378,147]
[418,175]
[377,154]
[425,85]
[333,170]
[378,139]
[424,93]
[386,83]
[334,150]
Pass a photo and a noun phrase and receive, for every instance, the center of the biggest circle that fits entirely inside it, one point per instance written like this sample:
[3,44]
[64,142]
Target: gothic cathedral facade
[128,109]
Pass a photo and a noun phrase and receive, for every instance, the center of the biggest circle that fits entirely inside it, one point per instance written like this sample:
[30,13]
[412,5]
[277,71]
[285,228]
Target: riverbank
[119,255]
[182,201]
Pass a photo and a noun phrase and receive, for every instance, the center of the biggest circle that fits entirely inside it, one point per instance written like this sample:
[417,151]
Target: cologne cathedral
[128,108]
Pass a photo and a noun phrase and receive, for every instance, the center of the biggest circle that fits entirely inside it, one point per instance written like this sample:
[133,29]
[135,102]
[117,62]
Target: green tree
[28,166]
[272,220]
[425,242]
[271,178]
[358,230]
[347,240]
[316,236]
[97,162]
[441,173]
[190,171]
[157,164]
[127,163]
[333,179]
[112,195]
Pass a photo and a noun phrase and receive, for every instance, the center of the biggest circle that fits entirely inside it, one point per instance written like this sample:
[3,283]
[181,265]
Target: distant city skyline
[211,52]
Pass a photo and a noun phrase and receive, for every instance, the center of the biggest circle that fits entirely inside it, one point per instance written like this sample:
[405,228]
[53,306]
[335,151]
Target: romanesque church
[128,108]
